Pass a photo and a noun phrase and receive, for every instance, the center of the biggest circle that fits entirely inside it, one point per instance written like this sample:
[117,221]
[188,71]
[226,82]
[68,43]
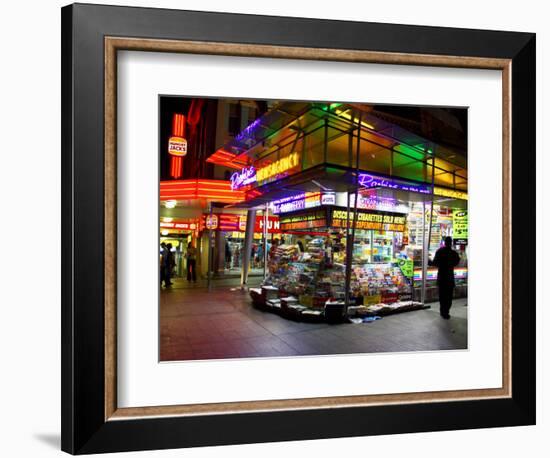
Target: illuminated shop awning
[327,179]
[208,190]
[320,133]
[234,153]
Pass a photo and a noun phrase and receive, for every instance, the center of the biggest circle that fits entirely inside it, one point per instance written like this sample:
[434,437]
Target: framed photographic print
[284,228]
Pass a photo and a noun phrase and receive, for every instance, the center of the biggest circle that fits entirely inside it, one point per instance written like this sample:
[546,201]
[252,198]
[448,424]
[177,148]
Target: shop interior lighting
[170,204]
[167,220]
[420,147]
[165,232]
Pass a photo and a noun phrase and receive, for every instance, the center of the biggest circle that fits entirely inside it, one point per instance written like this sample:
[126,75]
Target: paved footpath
[199,324]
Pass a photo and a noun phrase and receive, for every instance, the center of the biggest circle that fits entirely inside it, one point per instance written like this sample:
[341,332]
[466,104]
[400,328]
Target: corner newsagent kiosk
[310,267]
[362,203]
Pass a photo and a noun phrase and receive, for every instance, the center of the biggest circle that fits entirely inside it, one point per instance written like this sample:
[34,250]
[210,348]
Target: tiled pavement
[198,324]
[255,278]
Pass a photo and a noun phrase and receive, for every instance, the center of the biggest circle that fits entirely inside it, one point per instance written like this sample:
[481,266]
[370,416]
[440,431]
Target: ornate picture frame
[92,35]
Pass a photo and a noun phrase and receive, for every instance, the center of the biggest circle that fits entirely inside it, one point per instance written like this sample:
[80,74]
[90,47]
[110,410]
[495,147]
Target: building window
[234,126]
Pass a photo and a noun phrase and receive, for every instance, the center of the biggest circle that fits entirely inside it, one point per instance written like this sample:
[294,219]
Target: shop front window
[311,264]
[233,252]
[385,270]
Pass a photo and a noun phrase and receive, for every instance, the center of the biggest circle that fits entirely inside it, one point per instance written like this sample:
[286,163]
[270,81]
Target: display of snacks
[305,282]
[384,279]
[302,274]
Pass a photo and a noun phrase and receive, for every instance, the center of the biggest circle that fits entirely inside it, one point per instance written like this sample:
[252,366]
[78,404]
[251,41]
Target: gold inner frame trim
[114,44]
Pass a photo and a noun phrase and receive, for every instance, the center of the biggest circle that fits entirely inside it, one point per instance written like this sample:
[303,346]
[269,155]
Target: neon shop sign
[379,203]
[450,193]
[245,136]
[289,204]
[245,177]
[372,181]
[302,201]
[278,167]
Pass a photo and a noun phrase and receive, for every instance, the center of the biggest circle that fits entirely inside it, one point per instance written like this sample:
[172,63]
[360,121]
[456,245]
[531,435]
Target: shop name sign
[211,222]
[444,192]
[289,204]
[191,226]
[245,177]
[273,224]
[372,181]
[370,202]
[299,202]
[276,168]
[177,146]
[370,220]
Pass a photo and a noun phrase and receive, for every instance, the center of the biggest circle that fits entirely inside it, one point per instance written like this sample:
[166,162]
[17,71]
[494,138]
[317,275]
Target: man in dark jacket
[446,259]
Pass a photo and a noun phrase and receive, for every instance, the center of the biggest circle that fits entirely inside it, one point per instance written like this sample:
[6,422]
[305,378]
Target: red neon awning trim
[200,189]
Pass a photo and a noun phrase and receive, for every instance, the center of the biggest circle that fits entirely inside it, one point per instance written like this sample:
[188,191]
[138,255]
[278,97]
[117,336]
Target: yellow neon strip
[346,115]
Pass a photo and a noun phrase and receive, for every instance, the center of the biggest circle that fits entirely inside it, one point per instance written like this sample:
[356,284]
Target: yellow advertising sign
[277,167]
[368,220]
[406,266]
[460,224]
[444,192]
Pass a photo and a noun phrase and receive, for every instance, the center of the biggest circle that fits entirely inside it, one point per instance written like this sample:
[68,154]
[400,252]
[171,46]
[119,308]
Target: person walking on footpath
[191,256]
[446,259]
[253,256]
[227,255]
[161,264]
[169,263]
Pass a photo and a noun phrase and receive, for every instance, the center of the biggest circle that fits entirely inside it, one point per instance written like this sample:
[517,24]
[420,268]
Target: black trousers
[191,269]
[167,276]
[445,298]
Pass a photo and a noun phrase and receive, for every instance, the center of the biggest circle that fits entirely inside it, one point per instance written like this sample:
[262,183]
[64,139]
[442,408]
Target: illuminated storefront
[228,241]
[178,233]
[362,206]
[183,219]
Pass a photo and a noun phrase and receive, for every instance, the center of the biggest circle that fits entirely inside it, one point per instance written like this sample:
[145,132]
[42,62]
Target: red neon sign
[181,226]
[273,225]
[214,190]
[237,223]
[177,145]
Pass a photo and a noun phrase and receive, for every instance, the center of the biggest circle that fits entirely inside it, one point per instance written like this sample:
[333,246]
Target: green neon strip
[410,151]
